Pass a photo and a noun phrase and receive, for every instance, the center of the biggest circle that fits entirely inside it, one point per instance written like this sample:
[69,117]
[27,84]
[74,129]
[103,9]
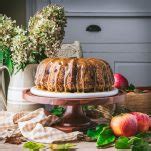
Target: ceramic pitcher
[3,86]
[18,83]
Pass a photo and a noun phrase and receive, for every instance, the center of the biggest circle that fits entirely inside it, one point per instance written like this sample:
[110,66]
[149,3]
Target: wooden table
[82,146]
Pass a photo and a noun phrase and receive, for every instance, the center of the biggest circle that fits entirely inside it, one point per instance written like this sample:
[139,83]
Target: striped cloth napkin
[33,126]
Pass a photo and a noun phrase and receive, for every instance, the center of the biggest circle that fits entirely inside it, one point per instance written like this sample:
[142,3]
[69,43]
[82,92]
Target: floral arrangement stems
[1,57]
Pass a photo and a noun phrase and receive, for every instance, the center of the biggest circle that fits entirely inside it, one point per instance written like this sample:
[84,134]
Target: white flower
[46,29]
[44,36]
[6,30]
[20,49]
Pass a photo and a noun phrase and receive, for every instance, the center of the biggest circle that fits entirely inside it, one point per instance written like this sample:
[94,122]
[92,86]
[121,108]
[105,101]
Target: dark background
[16,9]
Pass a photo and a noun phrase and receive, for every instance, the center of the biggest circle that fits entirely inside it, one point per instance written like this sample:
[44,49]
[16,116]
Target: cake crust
[74,75]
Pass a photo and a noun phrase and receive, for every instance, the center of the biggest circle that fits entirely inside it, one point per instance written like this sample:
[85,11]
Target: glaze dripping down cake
[74,75]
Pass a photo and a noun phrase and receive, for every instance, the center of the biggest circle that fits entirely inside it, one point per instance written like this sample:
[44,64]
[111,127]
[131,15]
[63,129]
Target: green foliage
[106,137]
[103,134]
[146,136]
[130,88]
[138,144]
[57,110]
[122,143]
[35,57]
[5,57]
[62,147]
[33,146]
[42,39]
[1,55]
[89,107]
[94,133]
[133,143]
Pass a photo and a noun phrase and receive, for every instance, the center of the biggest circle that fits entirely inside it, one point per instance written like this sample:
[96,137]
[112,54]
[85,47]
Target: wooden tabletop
[82,146]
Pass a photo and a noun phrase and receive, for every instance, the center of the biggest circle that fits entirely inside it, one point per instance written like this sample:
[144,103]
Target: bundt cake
[74,75]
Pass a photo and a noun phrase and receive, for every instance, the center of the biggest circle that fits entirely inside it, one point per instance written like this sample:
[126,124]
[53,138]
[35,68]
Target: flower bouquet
[21,49]
[42,39]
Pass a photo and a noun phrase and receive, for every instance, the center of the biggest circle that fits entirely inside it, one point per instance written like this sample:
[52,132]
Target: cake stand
[74,119]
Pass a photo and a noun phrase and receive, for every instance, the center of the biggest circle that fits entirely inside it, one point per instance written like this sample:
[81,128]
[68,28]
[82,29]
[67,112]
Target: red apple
[124,125]
[143,121]
[150,123]
[120,81]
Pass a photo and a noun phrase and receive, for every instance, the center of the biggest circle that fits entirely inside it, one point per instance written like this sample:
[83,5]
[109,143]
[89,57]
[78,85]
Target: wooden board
[81,146]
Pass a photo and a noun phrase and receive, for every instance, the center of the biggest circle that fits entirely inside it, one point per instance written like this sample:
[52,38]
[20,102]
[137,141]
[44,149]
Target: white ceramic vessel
[18,83]
[2,88]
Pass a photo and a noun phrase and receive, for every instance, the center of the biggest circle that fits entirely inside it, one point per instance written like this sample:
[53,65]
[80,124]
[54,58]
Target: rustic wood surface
[82,146]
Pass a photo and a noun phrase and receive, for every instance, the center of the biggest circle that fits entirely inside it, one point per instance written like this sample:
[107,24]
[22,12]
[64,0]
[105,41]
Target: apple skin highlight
[143,121]
[124,125]
[120,81]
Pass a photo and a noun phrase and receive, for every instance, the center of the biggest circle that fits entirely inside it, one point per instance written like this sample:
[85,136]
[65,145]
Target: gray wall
[125,38]
[15,9]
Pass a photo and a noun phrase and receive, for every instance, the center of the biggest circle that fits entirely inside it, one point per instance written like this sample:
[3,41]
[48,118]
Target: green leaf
[62,147]
[94,133]
[135,143]
[100,127]
[146,136]
[33,146]
[134,139]
[106,137]
[1,56]
[140,145]
[122,143]
[57,110]
[131,87]
[89,107]
[36,56]
[7,60]
[9,65]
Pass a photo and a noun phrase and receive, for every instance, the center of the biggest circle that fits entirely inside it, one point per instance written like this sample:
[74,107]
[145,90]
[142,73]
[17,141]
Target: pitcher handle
[2,92]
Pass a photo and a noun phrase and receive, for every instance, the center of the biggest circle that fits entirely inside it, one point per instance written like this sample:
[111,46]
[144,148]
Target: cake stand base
[74,119]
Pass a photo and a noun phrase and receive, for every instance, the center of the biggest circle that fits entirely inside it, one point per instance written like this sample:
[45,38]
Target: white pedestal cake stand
[74,118]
